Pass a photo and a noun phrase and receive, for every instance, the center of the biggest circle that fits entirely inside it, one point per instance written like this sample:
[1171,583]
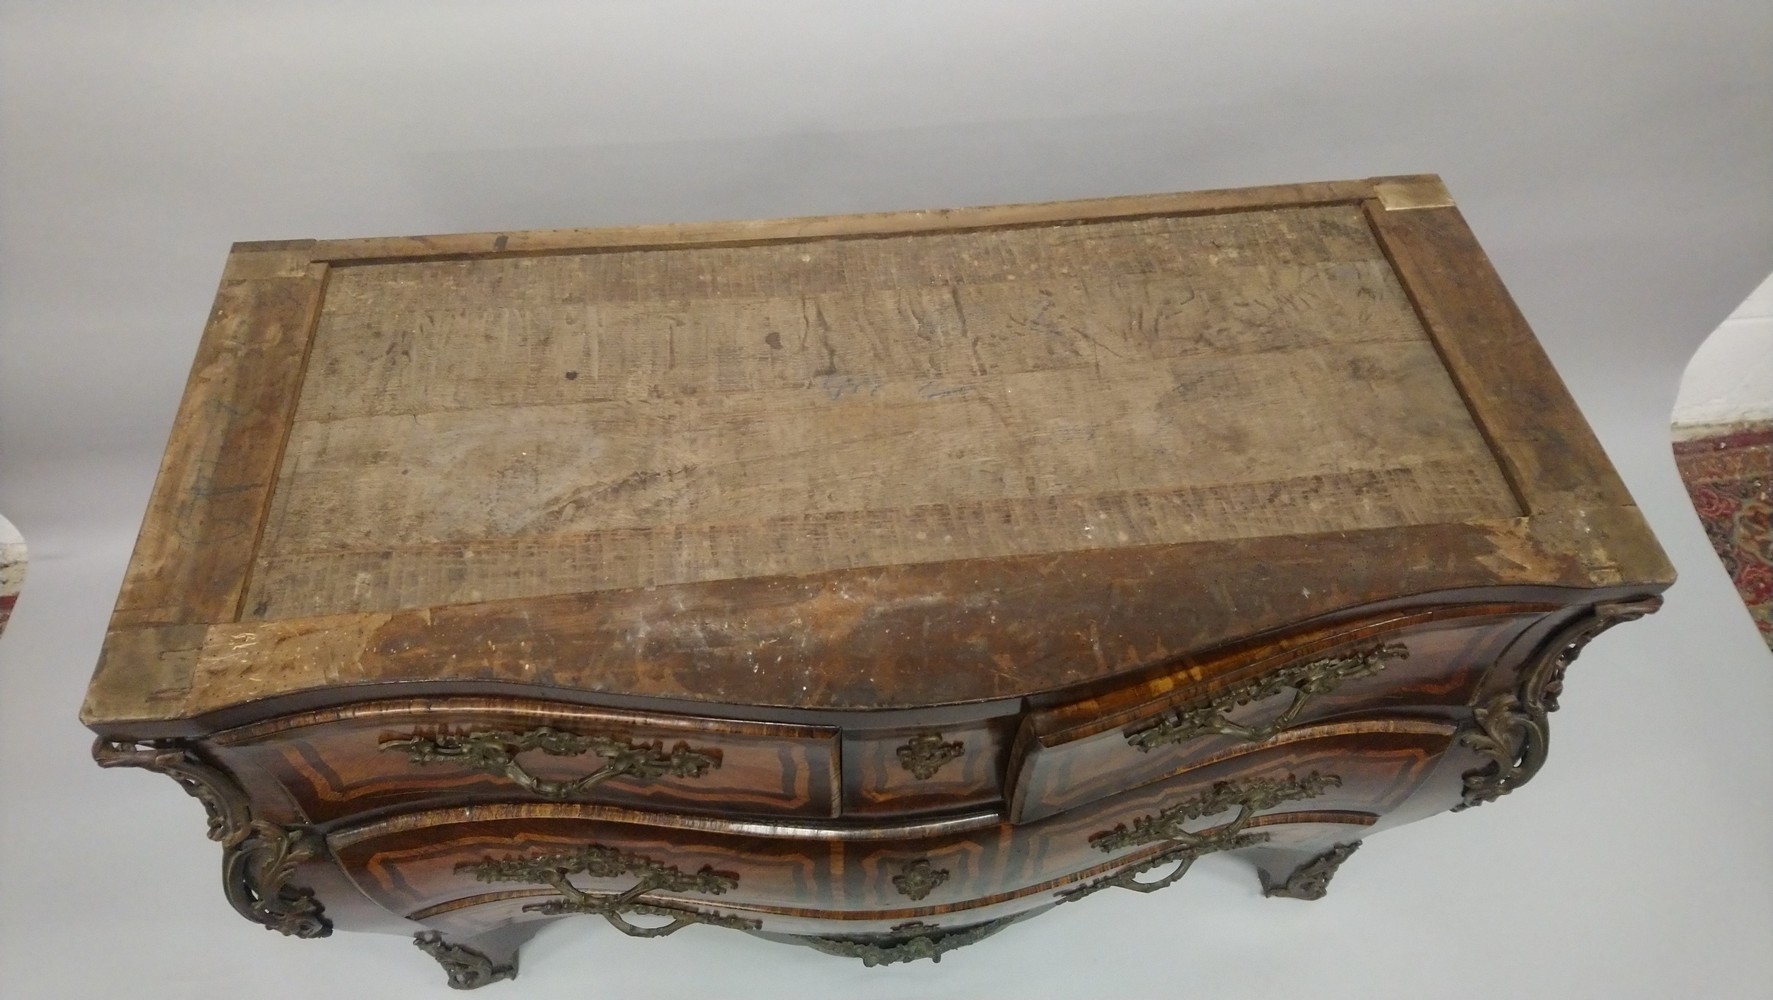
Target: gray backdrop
[1615,158]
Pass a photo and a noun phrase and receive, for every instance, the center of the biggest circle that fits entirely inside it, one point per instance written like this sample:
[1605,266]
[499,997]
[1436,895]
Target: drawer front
[1426,663]
[801,878]
[927,769]
[341,762]
[1308,832]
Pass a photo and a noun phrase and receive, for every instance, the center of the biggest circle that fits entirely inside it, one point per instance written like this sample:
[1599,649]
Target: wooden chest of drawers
[868,583]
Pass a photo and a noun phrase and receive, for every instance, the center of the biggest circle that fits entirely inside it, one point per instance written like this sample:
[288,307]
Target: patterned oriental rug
[1730,478]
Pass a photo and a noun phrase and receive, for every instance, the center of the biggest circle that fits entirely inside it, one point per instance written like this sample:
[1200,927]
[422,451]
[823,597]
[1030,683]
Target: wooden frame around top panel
[877,224]
[182,591]
[1546,449]
[206,513]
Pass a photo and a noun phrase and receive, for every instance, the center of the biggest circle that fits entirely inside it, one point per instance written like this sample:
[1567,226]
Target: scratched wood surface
[503,428]
[198,538]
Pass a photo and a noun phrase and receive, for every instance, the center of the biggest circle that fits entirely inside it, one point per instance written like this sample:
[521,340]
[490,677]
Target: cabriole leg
[477,961]
[1307,876]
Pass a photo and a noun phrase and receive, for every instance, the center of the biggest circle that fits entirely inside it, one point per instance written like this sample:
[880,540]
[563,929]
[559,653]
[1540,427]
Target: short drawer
[341,762]
[801,877]
[926,769]
[1424,663]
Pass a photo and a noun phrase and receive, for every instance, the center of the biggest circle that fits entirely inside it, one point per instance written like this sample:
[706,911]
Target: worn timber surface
[500,428]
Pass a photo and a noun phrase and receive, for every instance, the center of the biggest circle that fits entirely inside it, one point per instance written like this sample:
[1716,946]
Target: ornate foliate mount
[1247,797]
[925,754]
[919,879]
[1307,681]
[466,968]
[1169,826]
[258,858]
[1569,645]
[597,861]
[495,751]
[1182,857]
[907,942]
[1515,735]
[1310,880]
[1511,728]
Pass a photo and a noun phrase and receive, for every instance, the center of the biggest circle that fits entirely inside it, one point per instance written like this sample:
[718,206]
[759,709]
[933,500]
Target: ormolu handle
[1308,680]
[600,862]
[1248,797]
[495,751]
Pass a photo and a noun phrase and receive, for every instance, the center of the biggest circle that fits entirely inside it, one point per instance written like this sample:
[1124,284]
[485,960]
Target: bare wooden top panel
[517,427]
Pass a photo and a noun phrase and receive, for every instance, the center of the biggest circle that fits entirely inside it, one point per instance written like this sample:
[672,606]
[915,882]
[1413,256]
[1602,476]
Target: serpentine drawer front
[340,762]
[1428,663]
[866,583]
[417,864]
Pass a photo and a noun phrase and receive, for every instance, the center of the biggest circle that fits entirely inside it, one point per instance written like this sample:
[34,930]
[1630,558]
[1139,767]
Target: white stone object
[1729,382]
[12,568]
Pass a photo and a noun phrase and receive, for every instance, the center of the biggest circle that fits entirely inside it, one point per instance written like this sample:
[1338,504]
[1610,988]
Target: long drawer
[338,763]
[1426,663]
[557,857]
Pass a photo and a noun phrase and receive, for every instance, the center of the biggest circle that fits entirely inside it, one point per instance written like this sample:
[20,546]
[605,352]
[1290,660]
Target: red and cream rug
[1730,477]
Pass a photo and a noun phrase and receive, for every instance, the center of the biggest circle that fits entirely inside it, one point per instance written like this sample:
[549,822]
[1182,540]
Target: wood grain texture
[1443,642]
[1300,831]
[804,871]
[753,232]
[1076,753]
[905,637]
[878,782]
[1548,451]
[949,530]
[495,429]
[195,549]
[334,765]
[144,673]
